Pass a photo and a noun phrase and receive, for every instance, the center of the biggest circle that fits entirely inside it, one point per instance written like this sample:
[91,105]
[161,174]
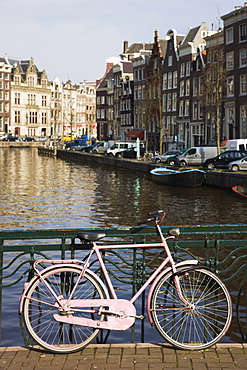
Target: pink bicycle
[66,304]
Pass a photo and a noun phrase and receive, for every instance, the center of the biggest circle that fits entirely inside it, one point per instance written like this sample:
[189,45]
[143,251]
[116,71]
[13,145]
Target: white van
[195,156]
[120,146]
[102,147]
[236,144]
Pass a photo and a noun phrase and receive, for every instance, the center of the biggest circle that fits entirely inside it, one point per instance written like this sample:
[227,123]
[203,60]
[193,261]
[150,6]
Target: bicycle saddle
[91,237]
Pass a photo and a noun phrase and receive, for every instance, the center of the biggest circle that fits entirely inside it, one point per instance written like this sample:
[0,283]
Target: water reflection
[43,192]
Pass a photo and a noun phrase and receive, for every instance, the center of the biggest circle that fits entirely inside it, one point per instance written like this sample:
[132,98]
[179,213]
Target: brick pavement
[127,357]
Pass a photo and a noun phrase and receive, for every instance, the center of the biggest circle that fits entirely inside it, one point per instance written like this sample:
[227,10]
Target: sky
[72,39]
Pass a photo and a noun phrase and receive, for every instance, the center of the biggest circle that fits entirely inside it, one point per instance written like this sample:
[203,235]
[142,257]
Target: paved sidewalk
[128,357]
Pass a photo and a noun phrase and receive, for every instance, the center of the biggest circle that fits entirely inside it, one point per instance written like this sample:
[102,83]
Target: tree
[212,91]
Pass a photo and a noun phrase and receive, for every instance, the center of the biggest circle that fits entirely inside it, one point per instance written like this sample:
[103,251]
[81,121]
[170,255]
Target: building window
[187,68]
[143,73]
[195,110]
[186,108]
[17,80]
[243,84]
[164,81]
[230,60]
[242,32]
[170,61]
[230,86]
[174,102]
[17,98]
[139,92]
[182,70]
[181,108]
[209,57]
[30,81]
[31,99]
[187,87]
[44,101]
[243,120]
[17,116]
[43,118]
[175,79]
[200,85]
[33,117]
[169,102]
[195,86]
[182,88]
[170,80]
[199,110]
[143,92]
[229,35]
[135,93]
[243,58]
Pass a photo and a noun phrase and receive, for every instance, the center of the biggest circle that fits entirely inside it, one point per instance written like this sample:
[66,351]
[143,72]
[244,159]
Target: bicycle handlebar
[157,216]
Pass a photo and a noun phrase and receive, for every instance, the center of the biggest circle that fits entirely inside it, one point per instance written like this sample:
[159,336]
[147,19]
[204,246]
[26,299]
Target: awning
[134,134]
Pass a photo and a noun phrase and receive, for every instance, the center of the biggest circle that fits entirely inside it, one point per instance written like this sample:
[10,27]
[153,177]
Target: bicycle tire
[192,329]
[39,308]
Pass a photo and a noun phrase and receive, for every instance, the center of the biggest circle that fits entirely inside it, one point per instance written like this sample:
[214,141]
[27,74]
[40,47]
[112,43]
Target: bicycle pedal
[141,317]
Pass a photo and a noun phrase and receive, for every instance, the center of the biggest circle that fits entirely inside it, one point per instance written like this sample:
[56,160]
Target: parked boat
[184,177]
[240,191]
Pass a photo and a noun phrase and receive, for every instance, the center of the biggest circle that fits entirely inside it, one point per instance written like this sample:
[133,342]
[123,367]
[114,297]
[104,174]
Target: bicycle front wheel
[40,305]
[193,328]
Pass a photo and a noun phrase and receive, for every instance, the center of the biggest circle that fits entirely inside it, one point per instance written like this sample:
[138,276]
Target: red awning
[134,134]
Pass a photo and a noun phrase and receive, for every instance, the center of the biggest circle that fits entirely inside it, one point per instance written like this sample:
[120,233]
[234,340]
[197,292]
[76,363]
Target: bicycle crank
[116,314]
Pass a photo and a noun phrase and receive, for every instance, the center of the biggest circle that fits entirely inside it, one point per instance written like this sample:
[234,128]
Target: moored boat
[184,177]
[240,191]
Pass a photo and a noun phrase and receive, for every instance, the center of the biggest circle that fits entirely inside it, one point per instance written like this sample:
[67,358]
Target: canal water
[40,192]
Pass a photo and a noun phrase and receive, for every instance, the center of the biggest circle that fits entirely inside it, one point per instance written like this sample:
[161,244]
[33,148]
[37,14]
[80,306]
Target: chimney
[125,46]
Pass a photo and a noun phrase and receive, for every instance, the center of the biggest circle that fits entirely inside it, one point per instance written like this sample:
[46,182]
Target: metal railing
[223,248]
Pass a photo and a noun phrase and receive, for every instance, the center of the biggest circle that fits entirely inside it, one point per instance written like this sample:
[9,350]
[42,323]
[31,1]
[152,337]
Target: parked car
[130,153]
[173,160]
[77,144]
[89,148]
[163,157]
[240,164]
[11,138]
[3,137]
[28,138]
[222,160]
[41,138]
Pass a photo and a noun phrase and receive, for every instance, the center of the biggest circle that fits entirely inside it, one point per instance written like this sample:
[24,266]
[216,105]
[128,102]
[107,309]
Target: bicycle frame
[115,305]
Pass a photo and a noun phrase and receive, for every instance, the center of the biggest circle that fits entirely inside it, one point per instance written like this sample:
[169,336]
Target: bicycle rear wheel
[194,328]
[39,308]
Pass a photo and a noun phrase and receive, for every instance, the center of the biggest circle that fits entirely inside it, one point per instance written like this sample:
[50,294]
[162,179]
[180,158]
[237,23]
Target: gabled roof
[163,47]
[108,76]
[191,34]
[23,65]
